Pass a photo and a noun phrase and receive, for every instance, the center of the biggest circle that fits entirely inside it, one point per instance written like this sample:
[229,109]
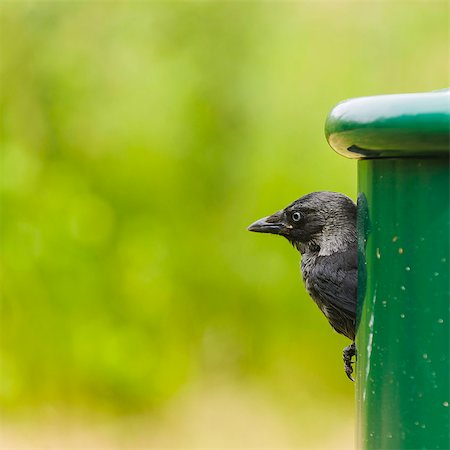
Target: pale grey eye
[296,216]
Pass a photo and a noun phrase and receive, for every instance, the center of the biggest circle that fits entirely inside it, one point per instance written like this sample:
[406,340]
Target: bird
[322,227]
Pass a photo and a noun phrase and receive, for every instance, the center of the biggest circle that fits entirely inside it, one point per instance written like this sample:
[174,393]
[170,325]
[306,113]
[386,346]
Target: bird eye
[296,216]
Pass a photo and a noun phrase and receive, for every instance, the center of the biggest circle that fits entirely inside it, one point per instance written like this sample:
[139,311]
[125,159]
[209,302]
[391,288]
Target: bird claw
[349,371]
[347,355]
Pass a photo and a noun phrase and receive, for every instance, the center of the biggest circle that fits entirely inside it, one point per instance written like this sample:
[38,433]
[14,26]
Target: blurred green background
[138,142]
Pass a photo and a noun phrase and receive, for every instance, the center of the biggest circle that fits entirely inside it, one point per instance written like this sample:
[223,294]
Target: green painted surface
[403,333]
[398,125]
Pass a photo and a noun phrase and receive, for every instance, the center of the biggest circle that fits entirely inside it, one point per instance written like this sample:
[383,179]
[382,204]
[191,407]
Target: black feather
[332,283]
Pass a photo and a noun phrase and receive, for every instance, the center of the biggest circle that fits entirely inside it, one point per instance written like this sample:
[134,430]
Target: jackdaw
[322,227]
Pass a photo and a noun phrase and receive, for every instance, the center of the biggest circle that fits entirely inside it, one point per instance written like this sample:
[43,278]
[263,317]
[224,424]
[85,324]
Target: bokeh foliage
[138,142]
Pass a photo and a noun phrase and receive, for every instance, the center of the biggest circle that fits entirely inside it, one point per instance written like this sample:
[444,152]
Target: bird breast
[307,264]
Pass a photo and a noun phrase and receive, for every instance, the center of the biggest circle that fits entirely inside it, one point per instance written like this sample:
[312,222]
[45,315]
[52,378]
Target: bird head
[321,222]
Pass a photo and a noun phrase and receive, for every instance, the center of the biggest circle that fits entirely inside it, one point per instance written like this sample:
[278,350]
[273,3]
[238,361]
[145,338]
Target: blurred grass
[138,142]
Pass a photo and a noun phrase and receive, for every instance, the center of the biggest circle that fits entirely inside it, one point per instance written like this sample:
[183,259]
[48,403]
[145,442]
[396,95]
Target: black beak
[273,224]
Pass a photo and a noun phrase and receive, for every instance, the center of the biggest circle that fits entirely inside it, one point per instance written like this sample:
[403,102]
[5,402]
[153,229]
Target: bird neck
[328,242]
[333,241]
[308,248]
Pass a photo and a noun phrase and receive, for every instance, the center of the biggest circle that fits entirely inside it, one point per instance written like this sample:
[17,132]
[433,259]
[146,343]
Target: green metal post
[403,334]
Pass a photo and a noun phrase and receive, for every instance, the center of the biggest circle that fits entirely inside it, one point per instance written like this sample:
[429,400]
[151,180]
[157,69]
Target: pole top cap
[391,126]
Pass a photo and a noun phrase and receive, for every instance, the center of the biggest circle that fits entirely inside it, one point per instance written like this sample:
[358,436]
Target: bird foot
[347,355]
